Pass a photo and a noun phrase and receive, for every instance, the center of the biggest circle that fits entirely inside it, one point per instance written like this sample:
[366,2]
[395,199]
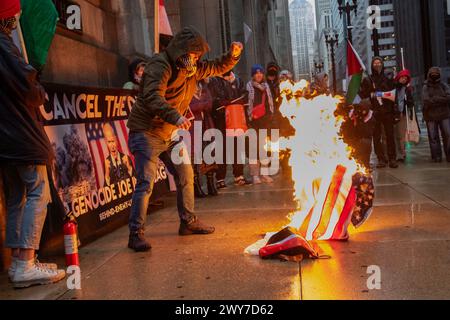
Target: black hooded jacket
[436,99]
[166,90]
[378,82]
[23,140]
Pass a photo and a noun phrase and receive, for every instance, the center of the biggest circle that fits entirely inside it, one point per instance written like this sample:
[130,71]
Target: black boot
[137,242]
[194,227]
[212,189]
[198,191]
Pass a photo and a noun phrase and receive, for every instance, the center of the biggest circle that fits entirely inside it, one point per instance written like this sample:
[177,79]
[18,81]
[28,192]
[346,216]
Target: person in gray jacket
[436,112]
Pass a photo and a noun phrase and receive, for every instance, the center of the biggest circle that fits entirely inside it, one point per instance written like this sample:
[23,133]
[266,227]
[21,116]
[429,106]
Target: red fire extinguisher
[71,243]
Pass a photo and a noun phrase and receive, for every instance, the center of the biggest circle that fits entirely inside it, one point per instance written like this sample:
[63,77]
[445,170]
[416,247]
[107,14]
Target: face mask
[186,62]
[435,77]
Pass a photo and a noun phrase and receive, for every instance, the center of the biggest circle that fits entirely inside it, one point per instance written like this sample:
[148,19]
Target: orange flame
[317,148]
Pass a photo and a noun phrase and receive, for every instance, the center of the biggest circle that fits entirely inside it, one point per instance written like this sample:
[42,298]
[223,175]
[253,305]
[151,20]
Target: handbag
[412,128]
[259,110]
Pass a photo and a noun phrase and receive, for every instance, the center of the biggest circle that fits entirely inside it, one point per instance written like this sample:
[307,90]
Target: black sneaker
[138,243]
[393,164]
[195,227]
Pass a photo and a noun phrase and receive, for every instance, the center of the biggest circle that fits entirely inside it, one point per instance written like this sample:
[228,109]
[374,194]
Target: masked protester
[228,89]
[405,108]
[135,72]
[168,85]
[358,129]
[436,112]
[25,152]
[385,112]
[260,112]
[273,80]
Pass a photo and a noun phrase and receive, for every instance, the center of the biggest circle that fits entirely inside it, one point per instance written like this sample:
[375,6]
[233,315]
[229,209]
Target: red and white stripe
[330,216]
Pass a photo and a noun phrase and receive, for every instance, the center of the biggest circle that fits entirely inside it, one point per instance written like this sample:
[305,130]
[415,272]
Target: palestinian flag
[38,21]
[355,70]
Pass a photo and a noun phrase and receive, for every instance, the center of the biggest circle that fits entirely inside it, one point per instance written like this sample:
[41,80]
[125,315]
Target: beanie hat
[9,8]
[257,68]
[404,73]
[273,69]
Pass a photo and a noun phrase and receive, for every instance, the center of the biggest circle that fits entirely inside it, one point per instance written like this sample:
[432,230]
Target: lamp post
[375,34]
[332,39]
[319,65]
[347,8]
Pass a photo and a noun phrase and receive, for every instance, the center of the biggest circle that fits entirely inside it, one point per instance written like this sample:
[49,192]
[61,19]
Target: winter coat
[166,90]
[224,93]
[436,99]
[22,135]
[378,82]
[255,96]
[201,107]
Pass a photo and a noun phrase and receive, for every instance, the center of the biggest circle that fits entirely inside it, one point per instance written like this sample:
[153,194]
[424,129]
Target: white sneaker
[267,179]
[28,274]
[256,180]
[12,268]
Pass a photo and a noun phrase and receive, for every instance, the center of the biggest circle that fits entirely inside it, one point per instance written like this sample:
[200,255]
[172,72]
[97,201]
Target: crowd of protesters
[388,116]
[169,85]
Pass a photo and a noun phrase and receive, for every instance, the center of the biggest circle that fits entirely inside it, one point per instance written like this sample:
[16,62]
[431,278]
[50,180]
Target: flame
[316,148]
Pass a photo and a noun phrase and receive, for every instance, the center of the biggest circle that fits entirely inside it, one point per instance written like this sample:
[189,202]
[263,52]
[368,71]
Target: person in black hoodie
[25,152]
[385,112]
[436,111]
[229,89]
[357,130]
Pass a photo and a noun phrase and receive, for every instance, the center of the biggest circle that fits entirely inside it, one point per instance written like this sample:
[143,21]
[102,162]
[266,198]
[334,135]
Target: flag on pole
[38,22]
[163,31]
[355,70]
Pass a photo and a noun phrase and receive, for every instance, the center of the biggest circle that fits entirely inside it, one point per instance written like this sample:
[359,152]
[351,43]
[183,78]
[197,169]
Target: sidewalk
[408,237]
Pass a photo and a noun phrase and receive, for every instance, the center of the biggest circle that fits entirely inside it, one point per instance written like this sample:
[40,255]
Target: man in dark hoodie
[230,89]
[25,152]
[384,112]
[168,85]
[436,112]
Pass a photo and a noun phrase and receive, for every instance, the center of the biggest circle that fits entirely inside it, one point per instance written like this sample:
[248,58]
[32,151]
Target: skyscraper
[386,34]
[302,35]
[280,35]
[324,23]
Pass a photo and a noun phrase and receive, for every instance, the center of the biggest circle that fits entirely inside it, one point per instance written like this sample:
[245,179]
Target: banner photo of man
[93,169]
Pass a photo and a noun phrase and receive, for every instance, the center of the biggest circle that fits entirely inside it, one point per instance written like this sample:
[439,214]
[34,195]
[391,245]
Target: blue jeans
[434,127]
[27,196]
[147,149]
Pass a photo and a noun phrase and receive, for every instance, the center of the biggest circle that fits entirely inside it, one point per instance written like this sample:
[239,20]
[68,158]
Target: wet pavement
[407,237]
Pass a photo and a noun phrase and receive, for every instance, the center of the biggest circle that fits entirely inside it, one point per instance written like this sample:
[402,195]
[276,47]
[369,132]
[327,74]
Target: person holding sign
[25,152]
[168,85]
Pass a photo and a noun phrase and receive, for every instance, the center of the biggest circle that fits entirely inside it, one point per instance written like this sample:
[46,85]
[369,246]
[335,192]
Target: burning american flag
[329,185]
